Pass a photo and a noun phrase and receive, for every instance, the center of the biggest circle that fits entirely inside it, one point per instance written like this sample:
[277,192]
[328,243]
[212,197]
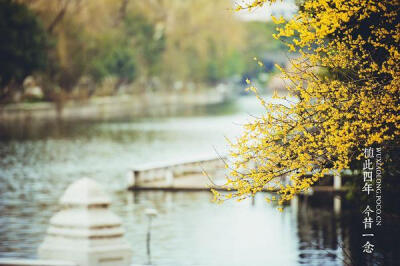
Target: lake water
[39,160]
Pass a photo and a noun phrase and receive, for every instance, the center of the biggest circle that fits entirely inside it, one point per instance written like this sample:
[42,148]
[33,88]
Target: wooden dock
[188,176]
[182,175]
[193,182]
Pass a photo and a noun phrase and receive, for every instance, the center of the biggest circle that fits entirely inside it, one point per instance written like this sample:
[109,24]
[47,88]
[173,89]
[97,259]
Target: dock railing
[168,171]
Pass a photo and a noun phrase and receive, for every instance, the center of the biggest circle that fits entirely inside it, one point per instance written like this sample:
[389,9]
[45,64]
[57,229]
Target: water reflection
[190,230]
[39,159]
[38,162]
[36,129]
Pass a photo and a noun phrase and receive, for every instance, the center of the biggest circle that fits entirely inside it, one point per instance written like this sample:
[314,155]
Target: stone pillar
[85,231]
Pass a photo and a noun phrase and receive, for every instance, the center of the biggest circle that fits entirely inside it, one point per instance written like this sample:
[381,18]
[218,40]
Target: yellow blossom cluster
[343,95]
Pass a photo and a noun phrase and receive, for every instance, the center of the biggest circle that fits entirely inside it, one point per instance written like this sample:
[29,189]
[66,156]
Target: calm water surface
[38,162]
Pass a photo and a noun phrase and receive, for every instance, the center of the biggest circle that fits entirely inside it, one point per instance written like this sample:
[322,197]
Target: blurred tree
[147,42]
[199,37]
[263,46]
[118,61]
[75,27]
[167,41]
[23,45]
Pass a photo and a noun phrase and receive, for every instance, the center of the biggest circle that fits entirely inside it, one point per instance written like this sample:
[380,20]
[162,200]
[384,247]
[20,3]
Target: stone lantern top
[85,192]
[85,231]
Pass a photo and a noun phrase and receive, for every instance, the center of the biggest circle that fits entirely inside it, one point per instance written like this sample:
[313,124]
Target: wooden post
[337,182]
[131,179]
[169,178]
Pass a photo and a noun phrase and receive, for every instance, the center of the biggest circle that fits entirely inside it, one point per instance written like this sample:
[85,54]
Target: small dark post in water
[150,213]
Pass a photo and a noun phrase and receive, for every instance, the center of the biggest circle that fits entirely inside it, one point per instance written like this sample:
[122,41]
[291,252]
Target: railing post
[169,178]
[131,179]
[337,181]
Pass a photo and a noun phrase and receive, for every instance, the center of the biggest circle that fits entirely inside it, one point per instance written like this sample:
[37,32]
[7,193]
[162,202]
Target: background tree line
[81,48]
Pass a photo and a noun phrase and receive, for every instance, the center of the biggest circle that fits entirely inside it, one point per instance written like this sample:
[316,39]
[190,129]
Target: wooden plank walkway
[186,175]
[199,182]
[189,183]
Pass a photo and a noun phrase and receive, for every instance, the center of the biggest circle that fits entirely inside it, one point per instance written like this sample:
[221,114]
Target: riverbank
[139,105]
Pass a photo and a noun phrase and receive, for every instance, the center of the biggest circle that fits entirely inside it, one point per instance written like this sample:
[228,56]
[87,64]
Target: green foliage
[225,67]
[119,62]
[260,38]
[147,40]
[234,64]
[121,51]
[263,46]
[212,72]
[23,45]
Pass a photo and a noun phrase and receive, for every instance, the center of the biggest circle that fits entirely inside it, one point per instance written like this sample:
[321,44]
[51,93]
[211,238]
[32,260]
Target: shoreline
[139,105]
